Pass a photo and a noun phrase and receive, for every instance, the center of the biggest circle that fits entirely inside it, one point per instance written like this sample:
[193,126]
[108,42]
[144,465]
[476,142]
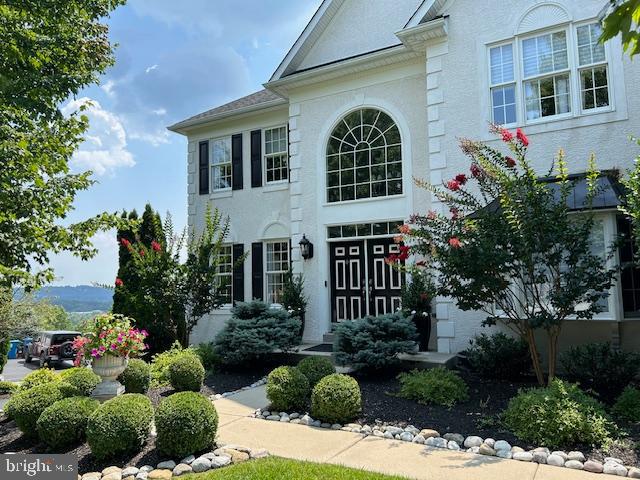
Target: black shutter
[238,273]
[203,169]
[257,275]
[256,158]
[288,155]
[236,161]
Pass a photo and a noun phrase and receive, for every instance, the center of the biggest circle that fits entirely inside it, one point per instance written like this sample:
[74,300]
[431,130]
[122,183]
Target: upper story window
[221,164]
[276,159]
[554,74]
[364,157]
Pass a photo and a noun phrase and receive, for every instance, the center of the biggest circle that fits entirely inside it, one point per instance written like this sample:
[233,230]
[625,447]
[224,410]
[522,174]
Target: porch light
[306,248]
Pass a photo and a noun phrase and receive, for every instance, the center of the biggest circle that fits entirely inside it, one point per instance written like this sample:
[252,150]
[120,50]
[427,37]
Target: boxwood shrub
[120,425]
[287,389]
[42,376]
[82,378]
[27,406]
[374,343]
[256,330]
[315,369]
[336,399]
[160,364]
[136,377]
[438,386]
[8,387]
[627,405]
[186,423]
[558,415]
[64,423]
[499,356]
[186,372]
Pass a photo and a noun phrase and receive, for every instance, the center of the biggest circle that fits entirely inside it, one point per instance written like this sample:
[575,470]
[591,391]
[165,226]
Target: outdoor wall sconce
[306,248]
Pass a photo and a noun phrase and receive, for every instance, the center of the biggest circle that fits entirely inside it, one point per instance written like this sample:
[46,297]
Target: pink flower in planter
[94,353]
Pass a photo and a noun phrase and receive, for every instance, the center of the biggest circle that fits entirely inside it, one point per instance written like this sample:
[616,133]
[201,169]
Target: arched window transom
[364,157]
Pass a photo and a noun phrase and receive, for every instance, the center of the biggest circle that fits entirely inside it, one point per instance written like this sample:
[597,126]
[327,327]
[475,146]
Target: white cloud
[107,87]
[105,146]
[159,111]
[151,68]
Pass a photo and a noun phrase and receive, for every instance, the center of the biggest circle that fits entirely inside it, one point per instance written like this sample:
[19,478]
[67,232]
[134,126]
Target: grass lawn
[274,468]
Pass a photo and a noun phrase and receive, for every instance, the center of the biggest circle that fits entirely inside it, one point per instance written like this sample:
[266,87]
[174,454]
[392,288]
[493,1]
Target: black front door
[361,281]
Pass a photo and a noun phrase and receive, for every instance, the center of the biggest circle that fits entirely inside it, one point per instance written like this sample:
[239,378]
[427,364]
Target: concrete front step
[328,337]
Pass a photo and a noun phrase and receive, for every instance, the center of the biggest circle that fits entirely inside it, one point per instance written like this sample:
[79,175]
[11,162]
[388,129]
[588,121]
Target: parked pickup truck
[51,347]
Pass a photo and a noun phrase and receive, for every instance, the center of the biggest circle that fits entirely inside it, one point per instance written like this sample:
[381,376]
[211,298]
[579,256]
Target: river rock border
[259,383]
[457,442]
[220,457]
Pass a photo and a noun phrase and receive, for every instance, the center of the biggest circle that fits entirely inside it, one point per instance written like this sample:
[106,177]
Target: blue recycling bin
[13,350]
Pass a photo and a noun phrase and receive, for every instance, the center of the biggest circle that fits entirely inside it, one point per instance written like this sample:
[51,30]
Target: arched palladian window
[364,157]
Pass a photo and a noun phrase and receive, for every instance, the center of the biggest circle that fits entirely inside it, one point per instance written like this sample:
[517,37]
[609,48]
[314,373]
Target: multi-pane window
[503,86]
[364,157]
[276,159]
[543,72]
[224,273]
[594,84]
[221,163]
[277,266]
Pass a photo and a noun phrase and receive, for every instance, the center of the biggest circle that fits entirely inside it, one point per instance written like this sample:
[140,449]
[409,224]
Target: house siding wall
[460,74]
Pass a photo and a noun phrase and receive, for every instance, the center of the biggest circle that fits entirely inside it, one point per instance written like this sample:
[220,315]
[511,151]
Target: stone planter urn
[108,368]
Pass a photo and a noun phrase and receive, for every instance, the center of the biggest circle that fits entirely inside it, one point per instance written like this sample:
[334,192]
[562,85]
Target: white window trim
[577,113]
[230,275]
[212,165]
[265,264]
[264,157]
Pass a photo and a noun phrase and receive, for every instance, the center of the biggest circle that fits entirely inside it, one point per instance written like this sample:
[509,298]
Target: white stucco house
[375,93]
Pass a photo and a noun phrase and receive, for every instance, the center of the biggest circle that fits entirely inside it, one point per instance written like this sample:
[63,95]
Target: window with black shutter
[256,158]
[257,271]
[236,161]
[203,169]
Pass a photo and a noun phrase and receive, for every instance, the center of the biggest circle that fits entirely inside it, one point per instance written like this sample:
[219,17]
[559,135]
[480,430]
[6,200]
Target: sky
[173,59]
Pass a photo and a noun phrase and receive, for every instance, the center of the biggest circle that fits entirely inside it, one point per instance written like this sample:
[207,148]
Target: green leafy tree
[294,299]
[126,271]
[510,246]
[631,206]
[49,50]
[623,17]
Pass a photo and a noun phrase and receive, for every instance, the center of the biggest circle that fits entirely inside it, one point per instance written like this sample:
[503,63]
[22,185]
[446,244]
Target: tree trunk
[553,335]
[535,357]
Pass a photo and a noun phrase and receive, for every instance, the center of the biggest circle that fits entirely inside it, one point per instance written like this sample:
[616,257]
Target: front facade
[375,94]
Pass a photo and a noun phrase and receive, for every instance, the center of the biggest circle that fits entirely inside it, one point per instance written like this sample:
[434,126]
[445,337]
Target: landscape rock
[160,474]
[237,456]
[411,429]
[523,456]
[285,419]
[439,442]
[367,430]
[378,433]
[473,441]
[259,453]
[109,470]
[166,465]
[129,471]
[295,421]
[182,469]
[634,472]
[394,430]
[473,450]
[485,449]
[574,464]
[517,450]
[456,437]
[593,466]
[500,445]
[142,476]
[92,476]
[388,435]
[562,454]
[146,468]
[294,415]
[201,464]
[221,461]
[491,442]
[614,468]
[428,433]
[417,439]
[504,454]
[273,418]
[306,420]
[540,457]
[555,460]
[406,436]
[316,423]
[579,456]
[328,425]
[112,476]
[452,445]
[612,459]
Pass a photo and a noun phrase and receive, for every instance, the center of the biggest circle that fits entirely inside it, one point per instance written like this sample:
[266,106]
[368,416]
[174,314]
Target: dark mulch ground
[477,416]
[12,440]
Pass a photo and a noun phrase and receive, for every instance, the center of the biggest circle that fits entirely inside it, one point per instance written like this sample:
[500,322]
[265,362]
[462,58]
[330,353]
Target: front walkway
[301,442]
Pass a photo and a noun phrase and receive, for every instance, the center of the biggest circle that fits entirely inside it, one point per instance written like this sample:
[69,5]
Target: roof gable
[342,29]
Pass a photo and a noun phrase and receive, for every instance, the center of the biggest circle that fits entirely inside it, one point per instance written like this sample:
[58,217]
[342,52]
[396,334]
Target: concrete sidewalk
[375,454]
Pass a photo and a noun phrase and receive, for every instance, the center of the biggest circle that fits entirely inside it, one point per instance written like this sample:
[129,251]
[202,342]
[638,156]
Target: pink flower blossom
[454,242]
[453,185]
[507,136]
[522,138]
[510,162]
[461,178]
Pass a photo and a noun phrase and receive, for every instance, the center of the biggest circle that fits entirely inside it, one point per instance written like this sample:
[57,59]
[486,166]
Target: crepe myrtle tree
[510,246]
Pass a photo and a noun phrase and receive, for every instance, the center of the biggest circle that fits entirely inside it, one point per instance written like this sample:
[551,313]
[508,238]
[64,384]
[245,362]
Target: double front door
[362,283]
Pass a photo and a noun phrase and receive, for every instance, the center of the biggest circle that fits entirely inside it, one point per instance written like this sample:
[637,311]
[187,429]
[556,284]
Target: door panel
[385,282]
[347,280]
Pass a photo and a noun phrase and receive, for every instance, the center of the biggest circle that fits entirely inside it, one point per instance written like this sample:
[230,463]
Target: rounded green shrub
[315,369]
[27,406]
[136,377]
[438,386]
[287,389]
[82,378]
[186,423]
[64,423]
[119,425]
[499,356]
[186,373]
[8,387]
[336,399]
[627,405]
[42,376]
[557,415]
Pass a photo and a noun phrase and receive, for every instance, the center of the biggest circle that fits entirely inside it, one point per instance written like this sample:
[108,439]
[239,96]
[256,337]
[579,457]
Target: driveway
[15,370]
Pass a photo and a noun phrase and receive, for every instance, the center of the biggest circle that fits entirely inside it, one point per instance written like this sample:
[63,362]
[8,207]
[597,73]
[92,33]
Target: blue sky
[173,59]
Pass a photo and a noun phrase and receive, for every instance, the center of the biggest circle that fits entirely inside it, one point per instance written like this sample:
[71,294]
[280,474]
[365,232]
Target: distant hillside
[81,298]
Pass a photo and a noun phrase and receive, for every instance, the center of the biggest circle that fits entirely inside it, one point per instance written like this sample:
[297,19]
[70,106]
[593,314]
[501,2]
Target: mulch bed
[12,440]
[477,416]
